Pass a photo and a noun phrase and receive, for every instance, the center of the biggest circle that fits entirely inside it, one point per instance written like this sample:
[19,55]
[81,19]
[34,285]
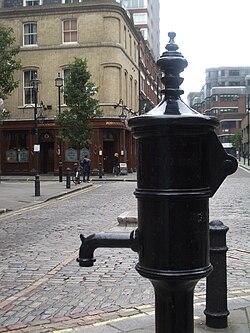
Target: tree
[75,121]
[236,140]
[8,62]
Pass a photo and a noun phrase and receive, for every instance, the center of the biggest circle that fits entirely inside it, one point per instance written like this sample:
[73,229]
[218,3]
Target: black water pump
[180,165]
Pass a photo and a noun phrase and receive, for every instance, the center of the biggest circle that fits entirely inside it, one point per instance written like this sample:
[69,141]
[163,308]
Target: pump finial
[171,46]
[172,63]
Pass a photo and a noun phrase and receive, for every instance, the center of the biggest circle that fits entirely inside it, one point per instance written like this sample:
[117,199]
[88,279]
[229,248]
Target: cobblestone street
[44,289]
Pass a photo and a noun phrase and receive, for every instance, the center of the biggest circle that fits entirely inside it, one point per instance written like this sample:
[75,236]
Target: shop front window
[71,155]
[16,147]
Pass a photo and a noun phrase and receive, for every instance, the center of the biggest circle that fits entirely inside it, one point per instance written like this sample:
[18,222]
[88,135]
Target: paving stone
[48,237]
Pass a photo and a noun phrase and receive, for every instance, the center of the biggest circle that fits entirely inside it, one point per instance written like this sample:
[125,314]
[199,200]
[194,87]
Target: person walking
[116,165]
[86,166]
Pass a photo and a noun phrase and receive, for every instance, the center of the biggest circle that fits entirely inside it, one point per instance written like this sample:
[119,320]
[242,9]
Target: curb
[65,193]
[245,167]
[71,190]
[128,218]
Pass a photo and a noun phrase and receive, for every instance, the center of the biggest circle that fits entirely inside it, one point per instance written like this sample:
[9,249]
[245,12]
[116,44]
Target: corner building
[51,34]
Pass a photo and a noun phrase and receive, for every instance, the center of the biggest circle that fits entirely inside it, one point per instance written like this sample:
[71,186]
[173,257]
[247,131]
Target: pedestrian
[86,166]
[116,165]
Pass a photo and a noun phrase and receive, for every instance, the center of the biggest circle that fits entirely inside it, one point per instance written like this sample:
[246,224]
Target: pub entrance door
[47,157]
[108,152]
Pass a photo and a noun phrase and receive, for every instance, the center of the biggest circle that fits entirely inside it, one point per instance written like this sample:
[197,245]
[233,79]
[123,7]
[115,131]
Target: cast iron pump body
[180,165]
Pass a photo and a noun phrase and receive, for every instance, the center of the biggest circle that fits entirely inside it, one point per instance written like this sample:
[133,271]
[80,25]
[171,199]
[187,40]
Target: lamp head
[58,81]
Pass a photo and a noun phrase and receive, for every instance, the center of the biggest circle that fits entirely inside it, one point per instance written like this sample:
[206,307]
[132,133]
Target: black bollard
[37,186]
[100,170]
[68,173]
[60,172]
[216,292]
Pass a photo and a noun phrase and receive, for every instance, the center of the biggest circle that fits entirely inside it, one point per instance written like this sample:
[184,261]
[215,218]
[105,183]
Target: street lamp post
[35,82]
[125,111]
[59,84]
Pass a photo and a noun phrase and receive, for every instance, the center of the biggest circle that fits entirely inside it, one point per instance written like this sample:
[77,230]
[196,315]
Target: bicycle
[76,174]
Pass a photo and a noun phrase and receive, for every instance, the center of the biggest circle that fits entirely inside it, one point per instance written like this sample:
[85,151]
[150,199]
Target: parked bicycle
[77,171]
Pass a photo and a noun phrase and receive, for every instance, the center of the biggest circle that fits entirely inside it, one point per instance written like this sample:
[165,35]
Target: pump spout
[102,239]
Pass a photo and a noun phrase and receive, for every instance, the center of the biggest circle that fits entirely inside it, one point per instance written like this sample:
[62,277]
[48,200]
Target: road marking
[73,194]
[144,314]
[245,169]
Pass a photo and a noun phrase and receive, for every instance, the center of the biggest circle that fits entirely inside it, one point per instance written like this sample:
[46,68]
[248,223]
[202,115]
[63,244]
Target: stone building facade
[51,33]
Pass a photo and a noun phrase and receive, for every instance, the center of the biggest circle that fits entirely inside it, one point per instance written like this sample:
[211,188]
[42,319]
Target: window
[125,37]
[71,1]
[214,98]
[28,76]
[32,2]
[225,138]
[228,124]
[30,34]
[135,51]
[212,112]
[70,31]
[130,45]
[228,110]
[17,150]
[140,18]
[233,83]
[144,32]
[135,3]
[234,72]
[229,97]
[66,74]
[142,83]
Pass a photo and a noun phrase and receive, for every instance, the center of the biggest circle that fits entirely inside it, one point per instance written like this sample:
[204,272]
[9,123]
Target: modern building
[146,17]
[225,95]
[51,33]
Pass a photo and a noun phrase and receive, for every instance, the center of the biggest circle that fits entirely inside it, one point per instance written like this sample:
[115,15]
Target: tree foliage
[236,140]
[75,121]
[8,62]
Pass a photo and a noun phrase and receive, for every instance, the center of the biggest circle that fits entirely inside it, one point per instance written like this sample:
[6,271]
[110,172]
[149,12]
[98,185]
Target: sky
[210,33]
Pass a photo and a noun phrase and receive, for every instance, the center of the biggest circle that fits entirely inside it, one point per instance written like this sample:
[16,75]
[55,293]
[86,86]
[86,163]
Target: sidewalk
[244,166]
[238,322]
[17,192]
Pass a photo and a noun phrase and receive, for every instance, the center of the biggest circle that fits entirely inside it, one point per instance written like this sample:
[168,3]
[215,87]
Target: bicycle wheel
[75,178]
